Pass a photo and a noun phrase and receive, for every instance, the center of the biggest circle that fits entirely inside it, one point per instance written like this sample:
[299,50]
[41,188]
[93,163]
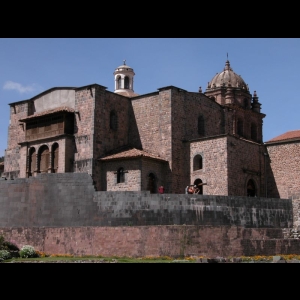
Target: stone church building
[170,137]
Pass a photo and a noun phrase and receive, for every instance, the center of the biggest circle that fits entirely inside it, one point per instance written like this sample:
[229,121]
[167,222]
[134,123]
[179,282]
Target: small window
[113,120]
[120,175]
[201,125]
[245,103]
[198,163]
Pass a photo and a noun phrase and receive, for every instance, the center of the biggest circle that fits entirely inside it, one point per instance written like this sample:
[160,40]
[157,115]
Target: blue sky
[270,66]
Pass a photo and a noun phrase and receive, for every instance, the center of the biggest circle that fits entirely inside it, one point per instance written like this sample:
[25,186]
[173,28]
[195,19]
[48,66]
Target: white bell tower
[124,80]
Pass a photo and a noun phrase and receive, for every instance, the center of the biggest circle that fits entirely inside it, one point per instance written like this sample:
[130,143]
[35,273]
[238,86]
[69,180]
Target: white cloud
[10,85]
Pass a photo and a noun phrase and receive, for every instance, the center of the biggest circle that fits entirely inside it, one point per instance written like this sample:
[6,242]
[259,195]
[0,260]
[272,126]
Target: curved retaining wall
[62,213]
[69,199]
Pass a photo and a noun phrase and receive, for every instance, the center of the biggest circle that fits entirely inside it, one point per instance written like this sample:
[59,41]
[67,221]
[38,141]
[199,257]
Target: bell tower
[124,80]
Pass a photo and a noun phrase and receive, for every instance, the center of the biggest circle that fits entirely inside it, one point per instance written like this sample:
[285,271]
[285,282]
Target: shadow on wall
[272,190]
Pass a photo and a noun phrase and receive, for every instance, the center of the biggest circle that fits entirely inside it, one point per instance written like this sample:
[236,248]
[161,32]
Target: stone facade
[284,159]
[80,130]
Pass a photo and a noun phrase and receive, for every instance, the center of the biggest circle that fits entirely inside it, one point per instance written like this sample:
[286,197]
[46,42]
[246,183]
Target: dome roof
[124,67]
[227,78]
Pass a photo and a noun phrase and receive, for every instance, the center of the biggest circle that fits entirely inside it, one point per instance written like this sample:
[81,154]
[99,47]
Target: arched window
[253,132]
[126,82]
[151,183]
[119,83]
[198,162]
[113,120]
[44,159]
[120,175]
[32,161]
[251,189]
[245,103]
[240,127]
[201,126]
[198,182]
[55,152]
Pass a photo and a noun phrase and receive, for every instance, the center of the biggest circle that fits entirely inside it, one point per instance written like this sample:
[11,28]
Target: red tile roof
[288,136]
[131,153]
[49,112]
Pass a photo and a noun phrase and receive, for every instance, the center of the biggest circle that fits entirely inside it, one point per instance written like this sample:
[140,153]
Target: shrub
[1,241]
[10,246]
[27,251]
[4,254]
[41,253]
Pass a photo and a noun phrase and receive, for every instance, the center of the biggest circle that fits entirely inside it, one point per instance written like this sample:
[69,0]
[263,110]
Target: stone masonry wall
[214,170]
[16,134]
[84,129]
[62,213]
[70,199]
[136,174]
[245,161]
[153,122]
[106,138]
[141,241]
[285,168]
[186,109]
[132,176]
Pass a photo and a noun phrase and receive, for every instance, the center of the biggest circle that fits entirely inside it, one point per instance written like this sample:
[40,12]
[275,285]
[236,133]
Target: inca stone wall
[141,241]
[70,200]
[62,213]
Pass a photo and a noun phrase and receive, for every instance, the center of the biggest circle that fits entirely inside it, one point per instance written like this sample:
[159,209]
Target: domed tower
[227,87]
[124,80]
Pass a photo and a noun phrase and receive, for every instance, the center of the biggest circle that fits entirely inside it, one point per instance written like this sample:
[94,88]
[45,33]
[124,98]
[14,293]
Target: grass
[148,259]
[91,258]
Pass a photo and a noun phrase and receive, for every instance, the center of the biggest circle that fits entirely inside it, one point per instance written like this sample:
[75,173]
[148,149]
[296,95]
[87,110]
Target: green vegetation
[1,158]
[7,249]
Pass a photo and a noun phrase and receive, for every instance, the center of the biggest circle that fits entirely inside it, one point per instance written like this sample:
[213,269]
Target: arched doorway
[251,189]
[55,152]
[44,159]
[32,162]
[151,183]
[198,182]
